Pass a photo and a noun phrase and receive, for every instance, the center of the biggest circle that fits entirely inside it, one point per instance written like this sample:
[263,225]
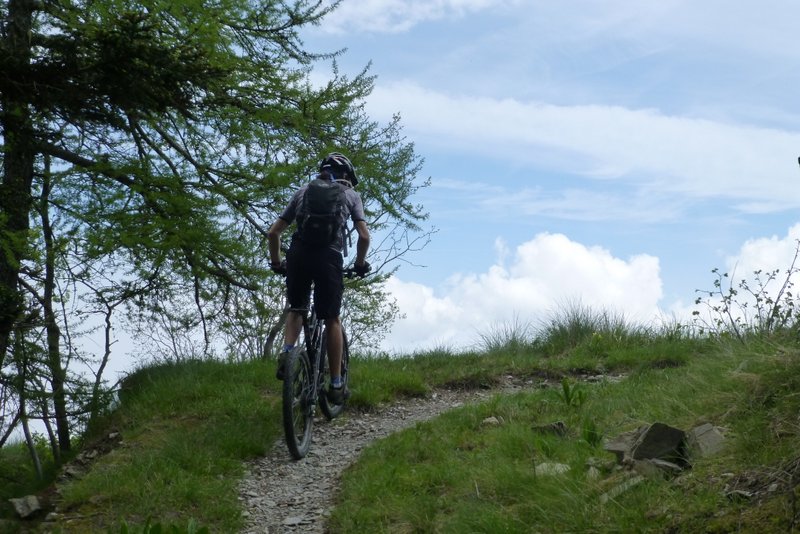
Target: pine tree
[161,139]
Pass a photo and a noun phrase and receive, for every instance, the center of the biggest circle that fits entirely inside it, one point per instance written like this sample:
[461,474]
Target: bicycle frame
[312,333]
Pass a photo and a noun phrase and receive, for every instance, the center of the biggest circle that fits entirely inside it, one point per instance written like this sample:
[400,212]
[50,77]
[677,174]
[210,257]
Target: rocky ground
[282,495]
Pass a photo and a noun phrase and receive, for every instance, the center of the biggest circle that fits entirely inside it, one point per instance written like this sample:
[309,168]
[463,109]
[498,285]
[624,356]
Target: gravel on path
[280,495]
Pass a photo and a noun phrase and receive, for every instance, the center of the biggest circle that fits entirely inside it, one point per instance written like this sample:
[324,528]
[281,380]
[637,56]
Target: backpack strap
[345,235]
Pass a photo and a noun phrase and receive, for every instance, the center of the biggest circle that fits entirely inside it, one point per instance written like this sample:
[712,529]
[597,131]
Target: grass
[187,430]
[455,474]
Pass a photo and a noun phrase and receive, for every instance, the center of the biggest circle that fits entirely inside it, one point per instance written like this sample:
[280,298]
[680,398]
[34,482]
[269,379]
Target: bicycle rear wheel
[298,402]
[329,409]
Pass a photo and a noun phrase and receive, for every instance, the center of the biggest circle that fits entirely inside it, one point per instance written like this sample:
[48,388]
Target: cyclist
[306,263]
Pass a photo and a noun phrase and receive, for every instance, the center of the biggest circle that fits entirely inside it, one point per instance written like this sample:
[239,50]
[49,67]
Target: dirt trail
[281,495]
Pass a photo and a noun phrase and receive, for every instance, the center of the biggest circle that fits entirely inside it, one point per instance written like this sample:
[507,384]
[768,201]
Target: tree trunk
[22,374]
[18,160]
[37,463]
[57,371]
[51,436]
[98,377]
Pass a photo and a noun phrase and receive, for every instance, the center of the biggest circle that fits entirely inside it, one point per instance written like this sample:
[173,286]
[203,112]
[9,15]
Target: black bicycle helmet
[338,162]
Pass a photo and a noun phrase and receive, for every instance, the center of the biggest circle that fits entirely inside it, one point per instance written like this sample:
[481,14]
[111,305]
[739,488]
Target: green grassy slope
[187,428]
[457,474]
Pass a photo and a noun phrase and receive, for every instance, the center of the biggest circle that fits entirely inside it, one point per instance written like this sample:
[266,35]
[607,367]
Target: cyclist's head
[339,167]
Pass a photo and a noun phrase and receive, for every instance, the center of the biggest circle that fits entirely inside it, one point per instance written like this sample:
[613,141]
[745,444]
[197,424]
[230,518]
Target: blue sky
[607,152]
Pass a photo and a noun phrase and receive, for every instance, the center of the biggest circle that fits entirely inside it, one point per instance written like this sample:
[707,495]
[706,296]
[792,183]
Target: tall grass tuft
[513,337]
[576,324]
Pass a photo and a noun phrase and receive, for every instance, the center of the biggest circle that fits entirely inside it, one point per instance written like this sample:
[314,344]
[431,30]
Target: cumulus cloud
[526,284]
[765,254]
[774,256]
[652,152]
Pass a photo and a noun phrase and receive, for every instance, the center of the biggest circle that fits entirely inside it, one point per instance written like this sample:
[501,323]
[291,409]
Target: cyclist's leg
[333,329]
[294,323]
[328,290]
[298,289]
[298,293]
[333,401]
[291,333]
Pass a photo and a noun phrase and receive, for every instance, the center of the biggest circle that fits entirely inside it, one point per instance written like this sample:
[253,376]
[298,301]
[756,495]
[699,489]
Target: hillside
[188,433]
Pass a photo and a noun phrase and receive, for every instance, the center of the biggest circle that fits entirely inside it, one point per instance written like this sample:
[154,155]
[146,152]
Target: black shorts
[321,266]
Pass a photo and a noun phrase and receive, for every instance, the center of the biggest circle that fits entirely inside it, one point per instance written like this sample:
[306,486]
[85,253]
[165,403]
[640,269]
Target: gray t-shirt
[353,210]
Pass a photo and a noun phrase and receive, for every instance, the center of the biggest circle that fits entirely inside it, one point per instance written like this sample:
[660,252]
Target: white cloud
[584,205]
[527,284]
[765,254]
[393,16]
[671,155]
[767,27]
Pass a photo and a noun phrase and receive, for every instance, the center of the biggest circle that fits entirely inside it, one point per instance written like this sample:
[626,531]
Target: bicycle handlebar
[349,273]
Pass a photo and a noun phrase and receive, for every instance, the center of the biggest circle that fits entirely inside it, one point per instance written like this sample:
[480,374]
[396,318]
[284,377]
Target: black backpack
[320,220]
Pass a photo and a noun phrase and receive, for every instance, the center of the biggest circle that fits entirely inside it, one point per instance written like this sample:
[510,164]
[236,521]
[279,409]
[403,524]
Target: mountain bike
[304,379]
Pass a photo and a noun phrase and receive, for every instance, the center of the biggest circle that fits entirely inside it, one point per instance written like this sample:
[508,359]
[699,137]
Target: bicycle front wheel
[298,402]
[329,409]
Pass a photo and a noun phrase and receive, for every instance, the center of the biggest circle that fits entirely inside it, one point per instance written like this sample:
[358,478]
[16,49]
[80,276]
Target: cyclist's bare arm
[274,239]
[362,245]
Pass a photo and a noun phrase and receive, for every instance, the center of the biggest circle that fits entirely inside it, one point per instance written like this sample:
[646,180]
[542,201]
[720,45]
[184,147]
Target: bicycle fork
[314,384]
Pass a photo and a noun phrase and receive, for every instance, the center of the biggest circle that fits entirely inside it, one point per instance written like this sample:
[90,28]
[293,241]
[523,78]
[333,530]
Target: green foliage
[168,137]
[368,311]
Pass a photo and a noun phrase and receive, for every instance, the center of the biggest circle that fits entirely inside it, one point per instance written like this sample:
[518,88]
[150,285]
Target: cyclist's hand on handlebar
[362,270]
[279,268]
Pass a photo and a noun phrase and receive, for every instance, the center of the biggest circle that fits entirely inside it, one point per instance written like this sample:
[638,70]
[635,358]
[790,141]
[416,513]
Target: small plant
[598,345]
[572,394]
[590,433]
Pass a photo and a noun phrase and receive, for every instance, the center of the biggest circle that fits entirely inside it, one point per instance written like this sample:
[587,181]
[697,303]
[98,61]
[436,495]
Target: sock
[336,383]
[287,347]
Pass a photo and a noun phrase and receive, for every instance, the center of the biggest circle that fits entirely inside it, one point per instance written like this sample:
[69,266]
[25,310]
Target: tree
[173,132]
